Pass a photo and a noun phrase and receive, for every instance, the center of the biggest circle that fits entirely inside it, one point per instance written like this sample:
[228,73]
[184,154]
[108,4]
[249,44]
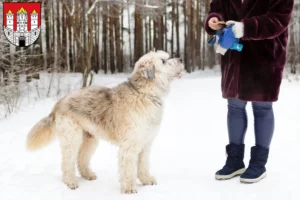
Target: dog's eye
[163,61]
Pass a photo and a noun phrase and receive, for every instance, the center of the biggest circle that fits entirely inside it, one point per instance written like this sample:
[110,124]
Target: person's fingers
[216,27]
[214,20]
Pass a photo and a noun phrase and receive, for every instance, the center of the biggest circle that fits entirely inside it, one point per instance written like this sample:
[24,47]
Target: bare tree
[138,35]
[85,36]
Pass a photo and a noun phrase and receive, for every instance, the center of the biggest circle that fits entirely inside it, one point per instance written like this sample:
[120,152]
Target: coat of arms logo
[22,22]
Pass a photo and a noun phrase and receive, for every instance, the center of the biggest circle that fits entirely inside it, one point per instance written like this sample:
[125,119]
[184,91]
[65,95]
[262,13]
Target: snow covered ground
[186,153]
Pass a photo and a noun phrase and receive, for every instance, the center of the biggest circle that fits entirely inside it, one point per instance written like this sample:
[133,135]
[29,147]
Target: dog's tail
[41,133]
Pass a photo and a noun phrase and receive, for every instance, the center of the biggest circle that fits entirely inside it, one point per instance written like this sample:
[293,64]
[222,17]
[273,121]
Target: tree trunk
[166,27]
[150,34]
[47,32]
[198,36]
[77,48]
[71,66]
[104,39]
[122,41]
[58,44]
[146,35]
[118,39]
[138,36]
[189,63]
[90,47]
[111,41]
[55,38]
[160,34]
[64,41]
[192,37]
[292,48]
[155,37]
[211,52]
[203,52]
[177,31]
[95,58]
[129,33]
[173,22]
[185,34]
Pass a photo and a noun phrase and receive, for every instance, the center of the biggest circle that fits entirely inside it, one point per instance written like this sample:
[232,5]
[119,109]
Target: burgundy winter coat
[255,74]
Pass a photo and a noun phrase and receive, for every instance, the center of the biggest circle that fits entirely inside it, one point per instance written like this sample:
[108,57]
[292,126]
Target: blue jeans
[237,122]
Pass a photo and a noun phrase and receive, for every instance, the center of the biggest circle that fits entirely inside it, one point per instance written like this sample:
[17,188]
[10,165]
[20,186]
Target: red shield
[22,22]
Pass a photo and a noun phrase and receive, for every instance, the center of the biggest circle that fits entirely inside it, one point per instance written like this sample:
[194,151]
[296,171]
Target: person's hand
[237,28]
[213,23]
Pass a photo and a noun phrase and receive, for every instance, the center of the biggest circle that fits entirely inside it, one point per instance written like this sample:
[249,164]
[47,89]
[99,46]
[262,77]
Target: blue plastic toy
[226,39]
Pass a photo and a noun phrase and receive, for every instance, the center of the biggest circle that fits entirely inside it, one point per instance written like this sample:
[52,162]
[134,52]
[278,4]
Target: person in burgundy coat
[252,75]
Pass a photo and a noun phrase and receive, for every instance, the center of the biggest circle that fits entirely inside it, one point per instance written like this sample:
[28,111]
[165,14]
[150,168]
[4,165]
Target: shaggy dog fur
[128,115]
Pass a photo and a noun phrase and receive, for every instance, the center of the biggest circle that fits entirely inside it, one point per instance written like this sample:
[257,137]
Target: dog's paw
[128,188]
[72,186]
[70,182]
[90,176]
[129,191]
[148,180]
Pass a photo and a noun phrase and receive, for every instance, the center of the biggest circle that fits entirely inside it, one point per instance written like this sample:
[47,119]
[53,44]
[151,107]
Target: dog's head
[158,68]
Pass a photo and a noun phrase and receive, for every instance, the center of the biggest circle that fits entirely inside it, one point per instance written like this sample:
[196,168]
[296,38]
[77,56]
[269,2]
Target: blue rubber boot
[234,163]
[256,170]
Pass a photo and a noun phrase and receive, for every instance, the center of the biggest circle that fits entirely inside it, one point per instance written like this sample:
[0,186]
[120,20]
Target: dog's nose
[180,60]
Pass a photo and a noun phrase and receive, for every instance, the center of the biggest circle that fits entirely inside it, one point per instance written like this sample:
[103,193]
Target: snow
[186,153]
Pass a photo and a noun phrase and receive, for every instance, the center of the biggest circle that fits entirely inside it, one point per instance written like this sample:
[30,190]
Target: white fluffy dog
[128,115]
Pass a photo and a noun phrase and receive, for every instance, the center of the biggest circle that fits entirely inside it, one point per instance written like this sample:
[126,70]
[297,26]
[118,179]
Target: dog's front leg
[128,158]
[143,167]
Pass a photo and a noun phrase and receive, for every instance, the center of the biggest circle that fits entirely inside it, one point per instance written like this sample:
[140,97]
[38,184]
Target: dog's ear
[148,72]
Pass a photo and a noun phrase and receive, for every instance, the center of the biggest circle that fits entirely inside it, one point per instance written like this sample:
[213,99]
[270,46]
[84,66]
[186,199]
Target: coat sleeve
[215,11]
[270,25]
